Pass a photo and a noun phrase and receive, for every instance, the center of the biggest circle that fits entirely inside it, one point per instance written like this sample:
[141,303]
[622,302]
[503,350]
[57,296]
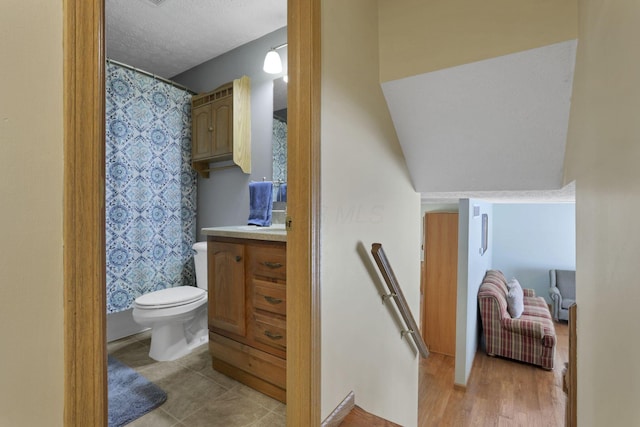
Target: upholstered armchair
[562,292]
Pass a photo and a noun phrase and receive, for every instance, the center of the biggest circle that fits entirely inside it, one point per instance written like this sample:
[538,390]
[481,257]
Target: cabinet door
[202,133]
[222,110]
[226,287]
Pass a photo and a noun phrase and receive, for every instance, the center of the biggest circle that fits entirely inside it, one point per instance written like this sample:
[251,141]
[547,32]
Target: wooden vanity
[247,306]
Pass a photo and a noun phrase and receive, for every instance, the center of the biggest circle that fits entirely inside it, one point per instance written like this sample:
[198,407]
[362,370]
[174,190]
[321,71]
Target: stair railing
[397,295]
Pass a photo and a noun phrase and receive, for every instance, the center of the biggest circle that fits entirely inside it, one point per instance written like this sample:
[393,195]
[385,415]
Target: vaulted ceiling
[480,93]
[497,124]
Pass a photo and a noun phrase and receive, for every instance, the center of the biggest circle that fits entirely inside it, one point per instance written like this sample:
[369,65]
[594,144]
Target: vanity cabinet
[221,127]
[247,312]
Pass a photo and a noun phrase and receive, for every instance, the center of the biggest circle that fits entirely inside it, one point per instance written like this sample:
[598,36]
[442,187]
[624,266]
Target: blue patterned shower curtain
[279,147]
[279,144]
[150,187]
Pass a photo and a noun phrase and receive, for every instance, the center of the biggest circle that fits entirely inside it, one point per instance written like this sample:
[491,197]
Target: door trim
[85,364]
[85,387]
[303,239]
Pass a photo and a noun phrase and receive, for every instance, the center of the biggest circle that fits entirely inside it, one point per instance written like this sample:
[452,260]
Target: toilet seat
[170,297]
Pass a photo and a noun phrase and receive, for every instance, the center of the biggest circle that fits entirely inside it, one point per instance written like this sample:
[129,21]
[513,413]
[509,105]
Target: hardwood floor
[361,418]
[500,392]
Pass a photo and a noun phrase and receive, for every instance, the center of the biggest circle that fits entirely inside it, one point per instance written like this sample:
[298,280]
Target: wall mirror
[279,139]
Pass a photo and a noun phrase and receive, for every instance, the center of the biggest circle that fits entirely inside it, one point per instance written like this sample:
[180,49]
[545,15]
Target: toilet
[177,316]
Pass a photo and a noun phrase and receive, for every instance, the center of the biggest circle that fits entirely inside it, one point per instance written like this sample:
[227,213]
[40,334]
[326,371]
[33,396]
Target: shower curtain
[279,149]
[150,187]
[279,142]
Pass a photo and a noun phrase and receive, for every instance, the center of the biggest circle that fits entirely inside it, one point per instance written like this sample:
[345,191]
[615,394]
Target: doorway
[84,211]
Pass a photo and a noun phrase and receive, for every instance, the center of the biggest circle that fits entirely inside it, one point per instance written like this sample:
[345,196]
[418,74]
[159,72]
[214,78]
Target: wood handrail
[398,297]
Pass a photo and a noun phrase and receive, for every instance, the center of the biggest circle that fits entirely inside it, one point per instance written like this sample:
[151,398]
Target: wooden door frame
[84,264]
[303,239]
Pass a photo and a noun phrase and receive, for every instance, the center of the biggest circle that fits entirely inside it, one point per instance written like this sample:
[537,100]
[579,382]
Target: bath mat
[130,394]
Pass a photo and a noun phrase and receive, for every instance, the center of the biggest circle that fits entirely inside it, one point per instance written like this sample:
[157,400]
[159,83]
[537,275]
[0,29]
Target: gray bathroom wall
[223,198]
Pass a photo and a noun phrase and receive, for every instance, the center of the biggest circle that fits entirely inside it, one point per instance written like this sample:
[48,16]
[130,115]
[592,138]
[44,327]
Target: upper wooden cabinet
[222,127]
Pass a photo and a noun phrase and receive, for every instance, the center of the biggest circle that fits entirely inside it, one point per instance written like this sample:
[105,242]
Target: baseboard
[460,387]
[342,410]
[121,324]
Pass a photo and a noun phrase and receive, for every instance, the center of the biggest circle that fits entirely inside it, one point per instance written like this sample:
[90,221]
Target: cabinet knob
[210,129]
[238,258]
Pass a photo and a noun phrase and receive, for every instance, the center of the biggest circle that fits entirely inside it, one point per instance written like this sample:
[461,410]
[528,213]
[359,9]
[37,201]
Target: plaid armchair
[530,338]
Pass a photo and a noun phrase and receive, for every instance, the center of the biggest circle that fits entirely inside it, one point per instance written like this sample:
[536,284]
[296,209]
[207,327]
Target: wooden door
[226,288]
[440,281]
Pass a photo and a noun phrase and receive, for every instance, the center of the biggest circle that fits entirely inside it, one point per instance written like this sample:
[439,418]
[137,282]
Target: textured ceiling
[176,35]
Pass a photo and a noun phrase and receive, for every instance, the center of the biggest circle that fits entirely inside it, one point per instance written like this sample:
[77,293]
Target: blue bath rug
[130,394]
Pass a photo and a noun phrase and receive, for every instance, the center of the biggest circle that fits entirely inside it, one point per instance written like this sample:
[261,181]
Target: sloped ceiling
[167,37]
[495,125]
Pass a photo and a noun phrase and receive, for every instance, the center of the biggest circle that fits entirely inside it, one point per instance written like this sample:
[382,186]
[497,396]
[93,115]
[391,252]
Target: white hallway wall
[602,157]
[367,197]
[472,267]
[31,243]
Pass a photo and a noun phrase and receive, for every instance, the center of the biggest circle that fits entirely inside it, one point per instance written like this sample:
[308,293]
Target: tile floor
[196,394]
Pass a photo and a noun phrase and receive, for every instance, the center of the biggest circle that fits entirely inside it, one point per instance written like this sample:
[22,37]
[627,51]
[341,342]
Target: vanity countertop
[274,233]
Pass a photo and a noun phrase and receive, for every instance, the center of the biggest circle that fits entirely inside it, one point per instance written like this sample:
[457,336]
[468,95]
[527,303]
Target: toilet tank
[200,260]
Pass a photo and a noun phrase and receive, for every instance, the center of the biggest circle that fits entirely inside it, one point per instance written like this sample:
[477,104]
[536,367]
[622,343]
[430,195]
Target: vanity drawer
[270,296]
[268,261]
[268,368]
[270,330]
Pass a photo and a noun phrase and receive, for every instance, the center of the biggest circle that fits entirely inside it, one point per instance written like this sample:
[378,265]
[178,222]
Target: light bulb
[272,62]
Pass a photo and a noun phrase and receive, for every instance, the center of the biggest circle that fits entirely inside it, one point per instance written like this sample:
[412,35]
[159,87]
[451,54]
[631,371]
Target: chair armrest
[523,327]
[529,292]
[556,300]
[555,295]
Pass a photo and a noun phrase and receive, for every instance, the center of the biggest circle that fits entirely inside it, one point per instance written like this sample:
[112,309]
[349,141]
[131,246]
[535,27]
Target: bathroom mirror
[279,139]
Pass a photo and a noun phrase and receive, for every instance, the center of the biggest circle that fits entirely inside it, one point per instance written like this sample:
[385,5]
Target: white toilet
[177,316]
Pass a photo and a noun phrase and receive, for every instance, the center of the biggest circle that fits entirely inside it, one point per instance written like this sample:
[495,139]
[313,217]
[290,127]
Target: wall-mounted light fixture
[484,239]
[272,62]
